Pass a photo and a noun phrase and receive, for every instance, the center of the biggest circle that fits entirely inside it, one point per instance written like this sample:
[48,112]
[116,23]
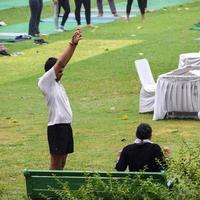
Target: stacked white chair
[147,92]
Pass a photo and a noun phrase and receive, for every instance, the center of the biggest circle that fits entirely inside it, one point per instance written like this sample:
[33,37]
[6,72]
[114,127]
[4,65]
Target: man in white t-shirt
[59,131]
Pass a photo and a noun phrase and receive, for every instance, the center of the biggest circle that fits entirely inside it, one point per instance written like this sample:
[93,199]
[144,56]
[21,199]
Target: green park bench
[40,183]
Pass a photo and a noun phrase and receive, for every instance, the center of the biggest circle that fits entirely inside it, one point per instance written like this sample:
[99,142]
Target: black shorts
[60,138]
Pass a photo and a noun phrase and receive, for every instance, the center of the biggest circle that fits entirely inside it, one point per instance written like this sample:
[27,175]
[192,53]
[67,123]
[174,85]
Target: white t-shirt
[57,100]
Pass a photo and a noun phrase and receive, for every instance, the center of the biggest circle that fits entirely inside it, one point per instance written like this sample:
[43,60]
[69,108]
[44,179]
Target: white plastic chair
[147,92]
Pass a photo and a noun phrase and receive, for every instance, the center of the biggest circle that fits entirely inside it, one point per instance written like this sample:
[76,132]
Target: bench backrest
[45,182]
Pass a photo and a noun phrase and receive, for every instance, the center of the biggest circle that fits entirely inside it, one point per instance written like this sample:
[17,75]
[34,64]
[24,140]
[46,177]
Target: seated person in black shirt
[143,154]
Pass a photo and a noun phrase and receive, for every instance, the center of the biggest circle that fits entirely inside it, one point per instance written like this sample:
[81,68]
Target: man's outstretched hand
[76,37]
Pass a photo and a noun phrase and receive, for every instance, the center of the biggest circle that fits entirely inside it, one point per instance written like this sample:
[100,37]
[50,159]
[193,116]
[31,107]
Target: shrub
[183,170]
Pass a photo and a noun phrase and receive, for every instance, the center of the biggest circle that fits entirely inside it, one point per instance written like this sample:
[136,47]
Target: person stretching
[59,130]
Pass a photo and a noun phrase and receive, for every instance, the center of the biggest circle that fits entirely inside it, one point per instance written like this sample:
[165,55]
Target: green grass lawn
[102,85]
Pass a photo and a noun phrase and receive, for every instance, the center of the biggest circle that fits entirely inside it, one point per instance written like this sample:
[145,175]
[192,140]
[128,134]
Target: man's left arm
[122,162]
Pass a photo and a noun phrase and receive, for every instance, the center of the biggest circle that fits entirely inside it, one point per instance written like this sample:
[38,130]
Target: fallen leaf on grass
[124,117]
[112,108]
[139,27]
[94,29]
[14,121]
[174,131]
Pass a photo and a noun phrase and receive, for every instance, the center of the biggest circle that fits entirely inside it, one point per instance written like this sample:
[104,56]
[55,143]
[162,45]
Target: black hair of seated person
[50,63]
[144,131]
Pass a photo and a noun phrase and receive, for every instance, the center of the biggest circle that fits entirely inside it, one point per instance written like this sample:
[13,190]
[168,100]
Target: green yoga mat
[6,4]
[197,28]
[48,25]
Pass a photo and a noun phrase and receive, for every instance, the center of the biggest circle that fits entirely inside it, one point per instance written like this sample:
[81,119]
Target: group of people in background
[37,5]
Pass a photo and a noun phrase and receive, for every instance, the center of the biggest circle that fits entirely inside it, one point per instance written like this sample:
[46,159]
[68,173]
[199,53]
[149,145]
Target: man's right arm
[68,52]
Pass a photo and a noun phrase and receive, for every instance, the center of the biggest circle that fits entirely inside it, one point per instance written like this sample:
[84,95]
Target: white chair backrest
[144,72]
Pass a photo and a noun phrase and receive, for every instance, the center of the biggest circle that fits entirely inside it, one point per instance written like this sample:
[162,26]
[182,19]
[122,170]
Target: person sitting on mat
[142,154]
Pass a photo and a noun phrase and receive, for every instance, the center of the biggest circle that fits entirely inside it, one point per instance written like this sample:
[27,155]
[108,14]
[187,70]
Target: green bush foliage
[184,172]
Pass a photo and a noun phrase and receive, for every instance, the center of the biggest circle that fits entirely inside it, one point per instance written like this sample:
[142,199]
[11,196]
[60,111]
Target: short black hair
[50,63]
[144,131]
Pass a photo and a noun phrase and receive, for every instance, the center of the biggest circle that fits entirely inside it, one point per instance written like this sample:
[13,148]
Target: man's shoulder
[47,78]
[130,146]
[50,72]
[134,145]
[156,147]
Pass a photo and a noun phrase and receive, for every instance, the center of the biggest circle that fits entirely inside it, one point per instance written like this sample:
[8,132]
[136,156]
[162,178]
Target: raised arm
[68,52]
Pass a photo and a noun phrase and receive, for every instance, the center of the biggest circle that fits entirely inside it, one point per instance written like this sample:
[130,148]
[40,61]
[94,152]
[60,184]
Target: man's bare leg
[57,162]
